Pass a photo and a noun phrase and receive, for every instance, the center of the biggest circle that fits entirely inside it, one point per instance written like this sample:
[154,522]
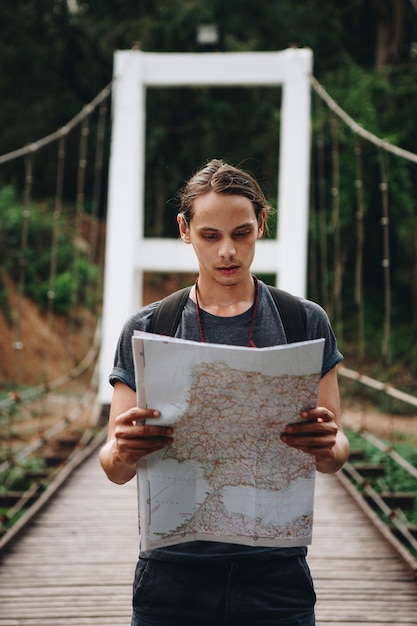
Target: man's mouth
[228,269]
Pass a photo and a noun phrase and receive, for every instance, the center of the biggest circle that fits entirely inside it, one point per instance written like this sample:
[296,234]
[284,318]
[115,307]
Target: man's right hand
[129,438]
[135,439]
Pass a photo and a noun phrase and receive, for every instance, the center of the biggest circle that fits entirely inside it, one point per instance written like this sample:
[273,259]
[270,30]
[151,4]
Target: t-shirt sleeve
[123,365]
[318,326]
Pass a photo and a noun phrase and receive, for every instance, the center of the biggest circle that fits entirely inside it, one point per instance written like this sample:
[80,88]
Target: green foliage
[27,257]
[219,118]
[15,478]
[71,288]
[66,50]
[371,101]
[396,479]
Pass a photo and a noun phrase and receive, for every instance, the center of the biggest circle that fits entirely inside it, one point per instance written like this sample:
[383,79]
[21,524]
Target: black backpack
[167,314]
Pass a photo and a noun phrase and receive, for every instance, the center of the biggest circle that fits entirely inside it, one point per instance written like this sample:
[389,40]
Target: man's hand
[316,434]
[129,438]
[134,439]
[320,431]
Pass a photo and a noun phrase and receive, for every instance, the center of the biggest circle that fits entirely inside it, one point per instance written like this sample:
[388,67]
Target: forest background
[58,55]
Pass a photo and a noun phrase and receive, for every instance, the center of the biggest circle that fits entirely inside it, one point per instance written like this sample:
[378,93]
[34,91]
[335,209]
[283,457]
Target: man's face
[223,232]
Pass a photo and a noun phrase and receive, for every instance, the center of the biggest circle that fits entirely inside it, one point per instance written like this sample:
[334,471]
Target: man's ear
[183,228]
[261,224]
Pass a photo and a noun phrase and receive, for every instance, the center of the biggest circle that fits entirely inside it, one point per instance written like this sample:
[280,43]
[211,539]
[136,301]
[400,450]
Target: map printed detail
[227,476]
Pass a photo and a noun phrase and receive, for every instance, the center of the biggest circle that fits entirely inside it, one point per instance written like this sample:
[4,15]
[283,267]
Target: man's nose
[227,248]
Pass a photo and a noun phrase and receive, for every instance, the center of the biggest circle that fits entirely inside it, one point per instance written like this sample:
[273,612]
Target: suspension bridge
[69,558]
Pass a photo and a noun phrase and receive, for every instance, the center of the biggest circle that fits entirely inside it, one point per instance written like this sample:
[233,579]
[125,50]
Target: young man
[223,213]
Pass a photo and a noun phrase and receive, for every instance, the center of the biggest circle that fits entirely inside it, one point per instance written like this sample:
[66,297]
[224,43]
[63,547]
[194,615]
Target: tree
[390,15]
[57,55]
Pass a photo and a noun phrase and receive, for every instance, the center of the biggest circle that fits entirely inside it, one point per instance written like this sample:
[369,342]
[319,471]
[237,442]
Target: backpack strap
[168,312]
[293,314]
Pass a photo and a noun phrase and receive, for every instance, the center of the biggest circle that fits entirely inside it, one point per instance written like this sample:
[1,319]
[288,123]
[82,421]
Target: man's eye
[242,233]
[210,237]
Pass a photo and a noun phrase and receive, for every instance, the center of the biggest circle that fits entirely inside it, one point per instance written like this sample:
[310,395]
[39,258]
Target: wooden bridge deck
[74,566]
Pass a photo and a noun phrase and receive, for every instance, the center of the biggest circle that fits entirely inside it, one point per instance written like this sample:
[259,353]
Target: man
[223,213]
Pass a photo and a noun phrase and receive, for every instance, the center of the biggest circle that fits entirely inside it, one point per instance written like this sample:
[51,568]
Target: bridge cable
[18,343]
[56,225]
[78,223]
[28,153]
[359,283]
[97,184]
[40,143]
[313,285]
[322,209]
[357,128]
[386,262]
[335,226]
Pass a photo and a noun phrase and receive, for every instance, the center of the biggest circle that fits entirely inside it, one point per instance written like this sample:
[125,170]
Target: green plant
[28,248]
[15,478]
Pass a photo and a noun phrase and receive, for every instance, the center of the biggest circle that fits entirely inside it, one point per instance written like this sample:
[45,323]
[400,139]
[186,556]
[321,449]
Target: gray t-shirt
[268,331]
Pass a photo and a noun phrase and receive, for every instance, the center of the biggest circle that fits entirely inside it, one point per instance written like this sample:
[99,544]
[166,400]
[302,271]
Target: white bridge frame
[128,253]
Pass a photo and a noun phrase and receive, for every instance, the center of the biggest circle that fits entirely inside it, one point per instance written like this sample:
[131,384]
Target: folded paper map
[227,476]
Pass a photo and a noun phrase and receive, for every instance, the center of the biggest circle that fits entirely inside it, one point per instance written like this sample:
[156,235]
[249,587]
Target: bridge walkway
[74,565]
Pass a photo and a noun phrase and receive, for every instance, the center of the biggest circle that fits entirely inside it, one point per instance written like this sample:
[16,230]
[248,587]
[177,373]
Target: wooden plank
[359,578]
[74,566]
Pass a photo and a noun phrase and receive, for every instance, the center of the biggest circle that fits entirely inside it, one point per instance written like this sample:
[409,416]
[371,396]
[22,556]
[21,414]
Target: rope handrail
[104,93]
[387,388]
[356,127]
[392,515]
[61,132]
[379,444]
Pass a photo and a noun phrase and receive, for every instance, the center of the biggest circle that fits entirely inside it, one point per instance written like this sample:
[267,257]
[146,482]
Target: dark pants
[235,593]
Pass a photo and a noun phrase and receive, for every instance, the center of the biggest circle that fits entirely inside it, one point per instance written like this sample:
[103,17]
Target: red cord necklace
[252,324]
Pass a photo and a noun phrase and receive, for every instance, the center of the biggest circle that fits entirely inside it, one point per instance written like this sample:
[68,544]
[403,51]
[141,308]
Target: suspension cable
[359,295]
[357,128]
[18,344]
[322,216]
[64,130]
[335,223]
[56,225]
[79,212]
[386,262]
[98,173]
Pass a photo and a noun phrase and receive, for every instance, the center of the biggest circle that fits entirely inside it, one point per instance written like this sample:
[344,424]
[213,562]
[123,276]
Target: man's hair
[222,178]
